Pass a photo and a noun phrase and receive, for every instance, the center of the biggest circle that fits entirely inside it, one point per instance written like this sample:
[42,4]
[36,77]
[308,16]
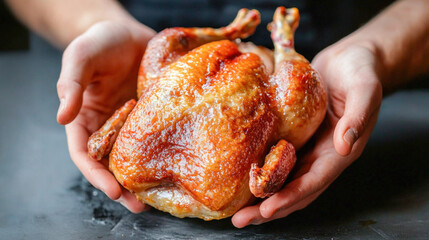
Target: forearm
[61,21]
[400,37]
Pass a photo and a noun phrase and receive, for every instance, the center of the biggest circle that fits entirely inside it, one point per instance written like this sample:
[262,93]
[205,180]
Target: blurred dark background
[14,36]
[322,22]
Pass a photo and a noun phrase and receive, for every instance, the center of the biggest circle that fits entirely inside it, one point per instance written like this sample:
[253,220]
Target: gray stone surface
[383,195]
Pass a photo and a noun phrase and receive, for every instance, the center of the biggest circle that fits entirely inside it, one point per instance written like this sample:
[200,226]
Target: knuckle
[300,191]
[257,221]
[297,192]
[92,171]
[361,120]
[320,179]
[64,85]
[60,86]
[78,52]
[77,85]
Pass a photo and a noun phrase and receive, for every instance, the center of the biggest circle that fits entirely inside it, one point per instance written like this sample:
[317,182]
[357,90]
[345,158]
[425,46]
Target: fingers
[246,216]
[322,167]
[318,178]
[97,173]
[128,200]
[252,215]
[363,99]
[283,212]
[76,72]
[295,196]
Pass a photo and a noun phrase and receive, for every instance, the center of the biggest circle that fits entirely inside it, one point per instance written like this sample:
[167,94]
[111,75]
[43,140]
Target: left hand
[352,76]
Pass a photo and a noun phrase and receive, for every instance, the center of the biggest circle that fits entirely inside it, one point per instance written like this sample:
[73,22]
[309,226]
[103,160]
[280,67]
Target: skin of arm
[399,36]
[405,47]
[61,21]
[398,40]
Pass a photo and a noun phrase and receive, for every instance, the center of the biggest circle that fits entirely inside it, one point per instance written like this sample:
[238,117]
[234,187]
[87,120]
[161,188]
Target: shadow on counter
[388,175]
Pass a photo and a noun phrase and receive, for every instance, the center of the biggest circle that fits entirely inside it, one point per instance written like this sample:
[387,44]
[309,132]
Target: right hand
[99,74]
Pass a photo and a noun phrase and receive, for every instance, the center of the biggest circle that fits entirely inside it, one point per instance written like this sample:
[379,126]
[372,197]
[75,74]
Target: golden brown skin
[209,109]
[170,44]
[267,180]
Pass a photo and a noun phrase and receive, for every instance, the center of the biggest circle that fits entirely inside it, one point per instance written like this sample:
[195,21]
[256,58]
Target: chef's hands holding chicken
[95,82]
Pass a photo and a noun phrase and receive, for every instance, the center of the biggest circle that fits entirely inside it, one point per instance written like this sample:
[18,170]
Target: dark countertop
[383,195]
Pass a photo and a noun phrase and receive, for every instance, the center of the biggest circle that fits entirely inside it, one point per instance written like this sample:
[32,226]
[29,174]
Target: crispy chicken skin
[209,110]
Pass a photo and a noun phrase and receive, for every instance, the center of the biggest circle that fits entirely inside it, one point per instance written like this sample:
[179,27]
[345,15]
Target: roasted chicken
[217,121]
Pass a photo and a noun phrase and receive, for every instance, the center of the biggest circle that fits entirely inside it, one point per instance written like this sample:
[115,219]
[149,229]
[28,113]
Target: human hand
[99,74]
[352,76]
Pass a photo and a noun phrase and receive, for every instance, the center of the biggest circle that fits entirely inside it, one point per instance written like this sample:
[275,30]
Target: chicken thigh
[217,121]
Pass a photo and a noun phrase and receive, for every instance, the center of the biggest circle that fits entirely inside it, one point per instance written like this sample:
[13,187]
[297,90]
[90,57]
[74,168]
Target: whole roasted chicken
[217,122]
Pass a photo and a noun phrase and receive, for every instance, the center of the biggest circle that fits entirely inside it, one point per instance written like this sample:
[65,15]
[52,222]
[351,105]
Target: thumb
[76,72]
[362,102]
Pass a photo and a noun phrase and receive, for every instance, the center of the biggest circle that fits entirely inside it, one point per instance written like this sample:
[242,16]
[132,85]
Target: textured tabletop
[383,195]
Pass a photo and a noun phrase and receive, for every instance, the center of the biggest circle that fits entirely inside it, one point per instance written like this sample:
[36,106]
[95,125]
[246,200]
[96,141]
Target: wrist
[400,41]
[69,20]
[374,47]
[356,51]
[140,33]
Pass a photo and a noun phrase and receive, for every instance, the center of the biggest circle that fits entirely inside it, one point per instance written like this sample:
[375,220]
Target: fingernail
[255,222]
[121,201]
[351,136]
[62,105]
